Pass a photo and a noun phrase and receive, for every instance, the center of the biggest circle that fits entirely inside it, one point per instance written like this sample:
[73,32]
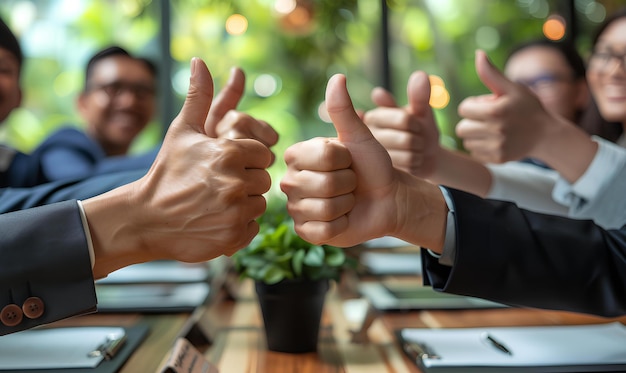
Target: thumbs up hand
[344,191]
[410,133]
[198,200]
[508,124]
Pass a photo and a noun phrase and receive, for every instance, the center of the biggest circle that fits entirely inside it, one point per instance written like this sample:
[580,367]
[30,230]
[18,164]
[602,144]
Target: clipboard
[152,298]
[113,353]
[537,349]
[389,296]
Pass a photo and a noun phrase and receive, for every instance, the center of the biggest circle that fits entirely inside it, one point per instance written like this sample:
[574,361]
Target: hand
[345,191]
[409,134]
[198,200]
[508,124]
[224,121]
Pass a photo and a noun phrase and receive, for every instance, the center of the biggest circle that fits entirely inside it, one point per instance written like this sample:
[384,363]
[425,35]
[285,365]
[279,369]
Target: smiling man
[117,103]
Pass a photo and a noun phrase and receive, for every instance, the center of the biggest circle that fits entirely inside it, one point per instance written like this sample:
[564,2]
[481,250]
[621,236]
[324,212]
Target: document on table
[577,348]
[163,271]
[392,263]
[151,297]
[59,348]
[388,296]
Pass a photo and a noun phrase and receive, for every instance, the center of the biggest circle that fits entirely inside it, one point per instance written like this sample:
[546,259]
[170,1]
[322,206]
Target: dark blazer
[13,199]
[69,153]
[45,270]
[517,257]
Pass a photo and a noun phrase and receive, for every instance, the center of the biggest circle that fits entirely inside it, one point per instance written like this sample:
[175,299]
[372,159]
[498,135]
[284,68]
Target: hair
[113,51]
[617,15]
[9,42]
[567,50]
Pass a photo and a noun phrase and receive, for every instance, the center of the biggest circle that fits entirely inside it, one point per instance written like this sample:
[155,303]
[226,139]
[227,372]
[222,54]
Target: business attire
[13,199]
[16,168]
[517,257]
[597,194]
[45,276]
[69,153]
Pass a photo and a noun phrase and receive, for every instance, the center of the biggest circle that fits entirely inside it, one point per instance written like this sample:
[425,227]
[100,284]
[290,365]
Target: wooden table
[238,341]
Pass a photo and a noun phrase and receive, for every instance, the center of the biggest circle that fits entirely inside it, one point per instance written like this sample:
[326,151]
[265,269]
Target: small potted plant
[291,280]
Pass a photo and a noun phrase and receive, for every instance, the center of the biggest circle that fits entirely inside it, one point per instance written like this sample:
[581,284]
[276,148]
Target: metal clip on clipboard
[419,351]
[109,347]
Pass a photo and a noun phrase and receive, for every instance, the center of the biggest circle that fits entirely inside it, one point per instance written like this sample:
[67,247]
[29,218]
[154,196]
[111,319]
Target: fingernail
[194,61]
[231,78]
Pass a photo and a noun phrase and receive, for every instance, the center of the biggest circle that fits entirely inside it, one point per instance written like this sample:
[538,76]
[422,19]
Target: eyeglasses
[544,81]
[600,60]
[115,89]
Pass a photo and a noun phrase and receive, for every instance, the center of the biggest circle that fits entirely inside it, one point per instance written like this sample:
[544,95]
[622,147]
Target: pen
[494,342]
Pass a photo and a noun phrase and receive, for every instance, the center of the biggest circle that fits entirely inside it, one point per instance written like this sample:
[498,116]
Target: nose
[127,98]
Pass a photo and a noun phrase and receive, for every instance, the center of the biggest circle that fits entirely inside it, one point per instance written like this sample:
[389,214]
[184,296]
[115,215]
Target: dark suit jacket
[44,254]
[517,257]
[65,156]
[13,199]
[69,153]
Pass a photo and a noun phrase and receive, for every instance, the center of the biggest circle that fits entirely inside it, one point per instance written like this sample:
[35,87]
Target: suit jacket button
[33,307]
[11,315]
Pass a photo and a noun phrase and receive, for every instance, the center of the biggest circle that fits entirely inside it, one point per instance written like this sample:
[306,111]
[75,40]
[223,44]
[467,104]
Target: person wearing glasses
[591,171]
[117,103]
[525,118]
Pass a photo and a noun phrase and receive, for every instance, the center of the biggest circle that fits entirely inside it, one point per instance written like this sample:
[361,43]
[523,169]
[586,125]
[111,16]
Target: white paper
[151,296]
[168,271]
[530,346]
[392,263]
[55,348]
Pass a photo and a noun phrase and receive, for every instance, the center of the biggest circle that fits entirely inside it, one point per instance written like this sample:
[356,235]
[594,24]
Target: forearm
[460,171]
[422,213]
[567,149]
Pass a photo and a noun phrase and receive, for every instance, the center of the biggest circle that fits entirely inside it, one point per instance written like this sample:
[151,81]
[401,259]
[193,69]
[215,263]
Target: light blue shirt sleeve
[599,193]
[449,244]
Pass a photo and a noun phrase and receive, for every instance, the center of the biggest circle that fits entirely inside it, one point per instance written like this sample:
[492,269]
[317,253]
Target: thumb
[418,93]
[350,128]
[199,96]
[491,77]
[226,100]
[382,97]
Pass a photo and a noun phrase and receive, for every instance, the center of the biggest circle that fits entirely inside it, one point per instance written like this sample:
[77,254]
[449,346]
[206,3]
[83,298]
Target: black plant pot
[292,312]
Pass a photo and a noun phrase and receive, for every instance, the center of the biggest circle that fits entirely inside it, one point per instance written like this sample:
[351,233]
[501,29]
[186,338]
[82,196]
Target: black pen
[492,341]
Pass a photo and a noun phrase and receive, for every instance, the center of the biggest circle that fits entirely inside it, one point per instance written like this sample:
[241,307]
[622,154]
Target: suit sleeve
[13,199]
[44,262]
[513,256]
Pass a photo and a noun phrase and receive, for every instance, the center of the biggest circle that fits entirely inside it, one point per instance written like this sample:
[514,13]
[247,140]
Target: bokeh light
[439,95]
[554,27]
[236,24]
[323,113]
[266,85]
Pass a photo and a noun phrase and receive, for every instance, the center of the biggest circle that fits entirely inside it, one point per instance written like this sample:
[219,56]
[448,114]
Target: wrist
[560,139]
[116,240]
[422,213]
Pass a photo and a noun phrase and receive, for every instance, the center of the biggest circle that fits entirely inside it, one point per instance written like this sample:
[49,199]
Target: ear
[81,103]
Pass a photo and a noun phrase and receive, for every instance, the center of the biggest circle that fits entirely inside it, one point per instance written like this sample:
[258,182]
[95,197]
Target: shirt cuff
[83,218]
[594,180]
[449,244]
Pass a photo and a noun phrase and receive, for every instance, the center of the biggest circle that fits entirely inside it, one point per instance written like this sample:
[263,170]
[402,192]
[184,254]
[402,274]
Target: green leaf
[334,256]
[315,256]
[296,262]
[273,275]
